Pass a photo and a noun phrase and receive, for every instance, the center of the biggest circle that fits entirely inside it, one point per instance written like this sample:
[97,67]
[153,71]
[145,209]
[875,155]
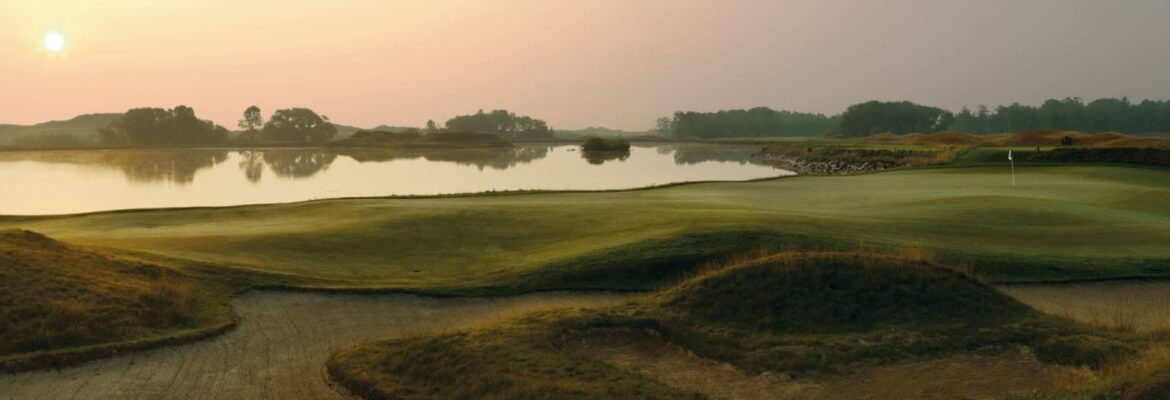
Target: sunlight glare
[54,41]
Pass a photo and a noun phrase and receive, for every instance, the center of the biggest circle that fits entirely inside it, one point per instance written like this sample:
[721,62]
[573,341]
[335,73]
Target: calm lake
[58,182]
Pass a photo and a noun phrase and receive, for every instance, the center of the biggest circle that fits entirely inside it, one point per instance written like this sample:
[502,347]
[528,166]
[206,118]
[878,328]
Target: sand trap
[955,377]
[1139,305]
[280,348]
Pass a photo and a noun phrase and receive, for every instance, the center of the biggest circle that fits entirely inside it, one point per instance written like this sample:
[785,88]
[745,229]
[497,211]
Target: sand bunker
[1143,306]
[279,349]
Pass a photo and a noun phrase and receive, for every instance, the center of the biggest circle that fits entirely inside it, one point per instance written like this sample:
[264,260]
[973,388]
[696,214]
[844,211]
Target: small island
[597,150]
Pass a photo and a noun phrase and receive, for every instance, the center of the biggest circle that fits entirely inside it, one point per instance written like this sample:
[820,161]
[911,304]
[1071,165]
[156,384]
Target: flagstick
[1013,161]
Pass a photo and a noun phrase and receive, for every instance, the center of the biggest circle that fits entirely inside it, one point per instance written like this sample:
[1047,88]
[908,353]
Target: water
[59,182]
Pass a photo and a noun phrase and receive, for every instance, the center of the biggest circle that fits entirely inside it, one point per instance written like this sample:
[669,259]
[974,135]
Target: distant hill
[344,131]
[387,139]
[597,131]
[82,126]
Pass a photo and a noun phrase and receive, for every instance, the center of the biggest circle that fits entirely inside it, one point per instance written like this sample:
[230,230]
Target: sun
[54,41]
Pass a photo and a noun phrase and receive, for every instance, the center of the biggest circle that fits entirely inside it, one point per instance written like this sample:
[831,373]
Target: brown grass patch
[55,296]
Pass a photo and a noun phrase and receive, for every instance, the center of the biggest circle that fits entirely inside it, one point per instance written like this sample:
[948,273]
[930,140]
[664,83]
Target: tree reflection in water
[600,157]
[139,166]
[298,163]
[488,157]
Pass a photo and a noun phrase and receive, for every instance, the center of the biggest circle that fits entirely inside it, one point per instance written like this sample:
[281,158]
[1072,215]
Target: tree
[252,120]
[501,122]
[759,121]
[297,125]
[161,127]
[431,126]
[895,117]
[664,125]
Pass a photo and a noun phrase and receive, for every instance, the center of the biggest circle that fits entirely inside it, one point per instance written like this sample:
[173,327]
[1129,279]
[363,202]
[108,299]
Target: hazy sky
[615,63]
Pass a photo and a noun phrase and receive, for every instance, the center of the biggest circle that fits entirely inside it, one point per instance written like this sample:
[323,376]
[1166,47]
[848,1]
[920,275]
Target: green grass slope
[792,312]
[1059,223]
[54,296]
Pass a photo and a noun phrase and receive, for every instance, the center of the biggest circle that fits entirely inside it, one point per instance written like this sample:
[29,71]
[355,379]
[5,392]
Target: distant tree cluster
[895,117]
[900,117]
[1072,114]
[759,121]
[296,125]
[501,122]
[1106,114]
[162,127]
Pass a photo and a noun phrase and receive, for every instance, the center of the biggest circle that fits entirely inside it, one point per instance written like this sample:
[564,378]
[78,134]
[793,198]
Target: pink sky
[615,63]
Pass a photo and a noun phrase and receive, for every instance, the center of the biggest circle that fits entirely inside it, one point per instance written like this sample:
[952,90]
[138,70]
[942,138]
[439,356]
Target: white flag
[1009,154]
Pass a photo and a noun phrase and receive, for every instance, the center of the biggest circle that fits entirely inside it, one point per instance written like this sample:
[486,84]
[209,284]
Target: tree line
[1105,114]
[160,127]
[179,126]
[501,122]
[759,121]
[900,117]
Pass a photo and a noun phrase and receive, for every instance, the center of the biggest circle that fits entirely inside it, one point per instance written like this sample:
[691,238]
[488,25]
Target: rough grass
[885,156]
[1031,138]
[54,296]
[855,292]
[800,313]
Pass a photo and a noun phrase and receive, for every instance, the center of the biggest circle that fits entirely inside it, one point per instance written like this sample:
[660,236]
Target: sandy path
[955,377]
[279,349]
[1139,305]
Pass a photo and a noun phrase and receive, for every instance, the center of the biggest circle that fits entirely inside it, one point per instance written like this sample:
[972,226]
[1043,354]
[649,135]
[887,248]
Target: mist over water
[83,181]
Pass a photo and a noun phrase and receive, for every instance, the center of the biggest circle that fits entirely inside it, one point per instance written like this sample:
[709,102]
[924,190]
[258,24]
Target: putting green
[1058,223]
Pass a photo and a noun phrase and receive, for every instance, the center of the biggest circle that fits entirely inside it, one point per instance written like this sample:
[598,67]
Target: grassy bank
[1058,223]
[797,313]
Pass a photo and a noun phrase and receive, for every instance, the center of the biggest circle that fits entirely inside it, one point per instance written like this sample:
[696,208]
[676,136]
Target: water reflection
[298,163]
[118,179]
[181,166]
[499,158]
[600,157]
[138,166]
[691,154]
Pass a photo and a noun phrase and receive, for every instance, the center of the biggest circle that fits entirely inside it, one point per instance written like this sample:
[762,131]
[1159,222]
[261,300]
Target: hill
[386,139]
[58,296]
[792,313]
[82,126]
[598,131]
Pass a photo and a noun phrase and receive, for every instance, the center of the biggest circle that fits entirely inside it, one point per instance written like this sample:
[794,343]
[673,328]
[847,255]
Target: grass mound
[793,312]
[1140,156]
[950,138]
[55,296]
[832,292]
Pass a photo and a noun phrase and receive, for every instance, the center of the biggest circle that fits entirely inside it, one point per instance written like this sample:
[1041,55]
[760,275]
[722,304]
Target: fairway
[1059,223]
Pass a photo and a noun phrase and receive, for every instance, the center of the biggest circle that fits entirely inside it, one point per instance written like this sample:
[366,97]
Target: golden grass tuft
[56,296]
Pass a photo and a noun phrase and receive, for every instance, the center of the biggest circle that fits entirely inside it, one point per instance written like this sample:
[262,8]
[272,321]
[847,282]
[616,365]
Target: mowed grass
[1058,223]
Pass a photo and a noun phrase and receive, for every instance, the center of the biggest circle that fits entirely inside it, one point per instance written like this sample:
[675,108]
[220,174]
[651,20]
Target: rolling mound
[837,293]
[947,138]
[794,313]
[54,296]
[1030,138]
